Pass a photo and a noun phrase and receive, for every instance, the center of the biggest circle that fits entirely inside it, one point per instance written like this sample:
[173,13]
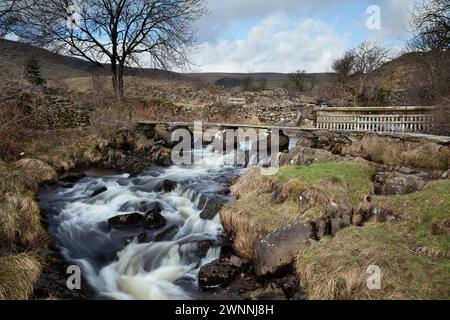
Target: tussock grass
[20,220]
[379,149]
[19,213]
[37,169]
[413,257]
[255,213]
[18,274]
[429,155]
[393,152]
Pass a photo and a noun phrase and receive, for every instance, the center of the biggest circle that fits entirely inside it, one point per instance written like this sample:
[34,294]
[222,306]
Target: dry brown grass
[20,220]
[19,213]
[38,170]
[428,155]
[394,152]
[378,149]
[18,274]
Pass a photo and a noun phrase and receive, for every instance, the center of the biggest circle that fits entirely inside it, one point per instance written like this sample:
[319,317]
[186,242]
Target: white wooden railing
[406,120]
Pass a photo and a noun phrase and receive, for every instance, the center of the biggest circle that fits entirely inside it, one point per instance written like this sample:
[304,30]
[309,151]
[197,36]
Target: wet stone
[126,220]
[99,191]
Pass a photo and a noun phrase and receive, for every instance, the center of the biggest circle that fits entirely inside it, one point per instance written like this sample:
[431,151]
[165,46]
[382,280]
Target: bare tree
[302,81]
[344,67]
[114,34]
[356,66]
[9,10]
[368,57]
[430,21]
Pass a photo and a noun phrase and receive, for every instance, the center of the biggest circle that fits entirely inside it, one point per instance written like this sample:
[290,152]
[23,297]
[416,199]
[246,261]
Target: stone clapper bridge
[401,122]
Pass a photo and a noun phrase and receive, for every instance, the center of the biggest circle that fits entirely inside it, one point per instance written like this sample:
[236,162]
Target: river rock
[73,177]
[394,183]
[211,207]
[126,220]
[167,186]
[167,233]
[218,273]
[164,138]
[154,219]
[99,191]
[148,130]
[278,249]
[125,139]
[141,237]
[204,245]
[306,156]
[332,221]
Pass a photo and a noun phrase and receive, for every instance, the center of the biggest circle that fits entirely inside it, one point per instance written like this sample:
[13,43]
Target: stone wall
[54,110]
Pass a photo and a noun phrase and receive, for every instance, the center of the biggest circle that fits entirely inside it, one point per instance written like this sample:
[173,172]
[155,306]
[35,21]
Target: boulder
[394,183]
[148,130]
[332,221]
[218,273]
[167,233]
[164,138]
[125,140]
[278,249]
[211,206]
[167,186]
[306,156]
[99,191]
[204,245]
[126,220]
[154,219]
[161,157]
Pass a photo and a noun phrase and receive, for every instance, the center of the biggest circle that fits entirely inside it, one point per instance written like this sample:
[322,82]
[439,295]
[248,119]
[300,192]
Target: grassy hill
[405,72]
[56,66]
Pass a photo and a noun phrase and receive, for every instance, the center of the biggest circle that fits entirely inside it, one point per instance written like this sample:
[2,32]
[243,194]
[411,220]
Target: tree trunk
[115,81]
[120,85]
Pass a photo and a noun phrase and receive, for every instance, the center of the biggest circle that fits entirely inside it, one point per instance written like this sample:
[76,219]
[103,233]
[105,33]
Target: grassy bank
[413,253]
[22,237]
[296,193]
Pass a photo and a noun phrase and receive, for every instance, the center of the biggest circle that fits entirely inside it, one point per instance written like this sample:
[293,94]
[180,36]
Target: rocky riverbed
[112,224]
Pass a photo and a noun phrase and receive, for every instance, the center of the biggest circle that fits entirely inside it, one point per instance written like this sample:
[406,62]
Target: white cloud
[276,44]
[224,13]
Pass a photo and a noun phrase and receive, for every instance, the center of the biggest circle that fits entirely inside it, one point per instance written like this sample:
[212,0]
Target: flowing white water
[115,264]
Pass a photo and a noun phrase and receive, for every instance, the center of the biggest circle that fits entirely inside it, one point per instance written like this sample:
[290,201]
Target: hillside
[409,71]
[57,66]
[403,73]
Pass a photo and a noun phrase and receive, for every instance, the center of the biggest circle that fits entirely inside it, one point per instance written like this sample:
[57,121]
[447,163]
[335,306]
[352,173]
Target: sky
[290,35]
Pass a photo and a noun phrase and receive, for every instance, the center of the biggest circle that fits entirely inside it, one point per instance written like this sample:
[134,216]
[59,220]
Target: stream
[133,262]
[113,261]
